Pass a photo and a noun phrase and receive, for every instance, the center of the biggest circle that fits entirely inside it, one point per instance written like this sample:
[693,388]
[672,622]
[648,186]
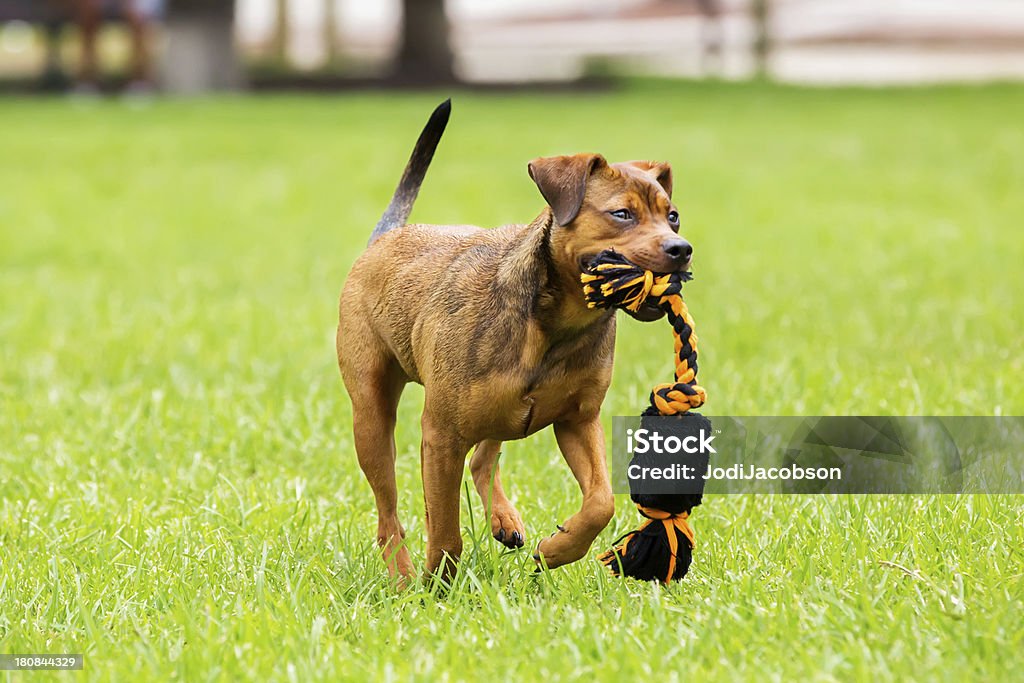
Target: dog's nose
[679,250]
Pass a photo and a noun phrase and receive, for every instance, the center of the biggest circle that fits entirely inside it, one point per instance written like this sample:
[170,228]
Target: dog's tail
[400,207]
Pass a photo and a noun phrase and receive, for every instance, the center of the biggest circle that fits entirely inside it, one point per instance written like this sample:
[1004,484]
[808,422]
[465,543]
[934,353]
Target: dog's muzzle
[647,312]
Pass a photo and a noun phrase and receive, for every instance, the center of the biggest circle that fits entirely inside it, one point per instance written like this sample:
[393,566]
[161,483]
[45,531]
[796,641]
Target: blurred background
[200,45]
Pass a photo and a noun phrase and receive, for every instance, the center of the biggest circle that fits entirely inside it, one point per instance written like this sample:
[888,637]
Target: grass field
[179,496]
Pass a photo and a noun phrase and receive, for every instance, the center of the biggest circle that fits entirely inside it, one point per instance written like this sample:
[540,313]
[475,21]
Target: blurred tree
[425,55]
[331,30]
[762,35]
[281,30]
[711,35]
[200,53]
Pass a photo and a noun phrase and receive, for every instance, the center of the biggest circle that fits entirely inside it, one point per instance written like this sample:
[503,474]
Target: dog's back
[414,269]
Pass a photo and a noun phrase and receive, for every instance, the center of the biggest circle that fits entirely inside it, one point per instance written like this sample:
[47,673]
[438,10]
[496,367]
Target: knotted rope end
[661,549]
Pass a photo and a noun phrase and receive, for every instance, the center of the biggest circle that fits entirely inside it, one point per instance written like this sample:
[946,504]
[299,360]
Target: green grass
[179,496]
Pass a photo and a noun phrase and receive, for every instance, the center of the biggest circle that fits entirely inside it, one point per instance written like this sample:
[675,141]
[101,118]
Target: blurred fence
[825,41]
[815,41]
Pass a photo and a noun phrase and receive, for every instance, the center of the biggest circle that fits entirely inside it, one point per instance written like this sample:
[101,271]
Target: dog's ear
[661,171]
[563,182]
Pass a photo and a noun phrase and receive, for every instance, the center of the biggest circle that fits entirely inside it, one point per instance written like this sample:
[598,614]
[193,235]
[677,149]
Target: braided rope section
[613,282]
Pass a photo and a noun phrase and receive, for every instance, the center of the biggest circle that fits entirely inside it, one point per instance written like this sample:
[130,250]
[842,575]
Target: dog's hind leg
[375,391]
[506,525]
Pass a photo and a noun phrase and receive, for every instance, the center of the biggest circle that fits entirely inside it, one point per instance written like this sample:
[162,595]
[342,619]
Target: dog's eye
[673,218]
[622,214]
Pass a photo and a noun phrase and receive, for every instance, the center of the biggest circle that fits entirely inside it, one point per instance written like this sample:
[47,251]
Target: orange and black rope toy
[661,549]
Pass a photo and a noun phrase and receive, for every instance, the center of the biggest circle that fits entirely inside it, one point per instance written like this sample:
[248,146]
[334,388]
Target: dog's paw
[561,547]
[507,527]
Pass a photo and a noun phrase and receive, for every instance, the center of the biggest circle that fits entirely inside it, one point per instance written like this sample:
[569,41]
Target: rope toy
[661,548]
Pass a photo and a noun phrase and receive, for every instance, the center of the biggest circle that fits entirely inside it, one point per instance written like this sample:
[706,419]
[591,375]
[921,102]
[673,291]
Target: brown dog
[493,324]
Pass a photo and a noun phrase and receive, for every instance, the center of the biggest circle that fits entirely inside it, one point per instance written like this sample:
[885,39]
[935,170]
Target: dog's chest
[503,374]
[554,400]
[518,400]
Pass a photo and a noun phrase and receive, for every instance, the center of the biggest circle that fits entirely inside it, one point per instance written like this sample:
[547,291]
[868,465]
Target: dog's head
[626,207]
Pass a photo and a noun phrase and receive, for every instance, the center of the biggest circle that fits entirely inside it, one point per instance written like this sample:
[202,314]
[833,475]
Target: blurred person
[139,15]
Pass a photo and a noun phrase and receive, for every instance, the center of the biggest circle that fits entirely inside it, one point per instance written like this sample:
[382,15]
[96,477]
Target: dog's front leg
[443,461]
[582,444]
[506,524]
